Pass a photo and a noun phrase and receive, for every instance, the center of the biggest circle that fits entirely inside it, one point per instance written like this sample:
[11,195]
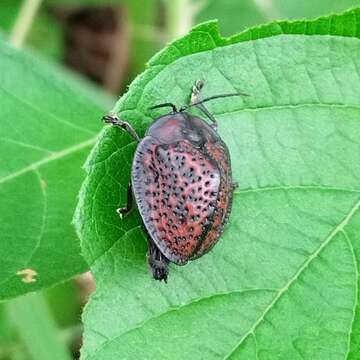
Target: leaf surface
[282,282]
[48,124]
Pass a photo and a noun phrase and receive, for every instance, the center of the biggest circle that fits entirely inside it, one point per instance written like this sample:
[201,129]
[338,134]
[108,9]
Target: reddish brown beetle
[182,184]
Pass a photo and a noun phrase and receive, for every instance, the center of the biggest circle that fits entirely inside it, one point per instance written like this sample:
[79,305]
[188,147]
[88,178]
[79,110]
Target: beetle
[182,183]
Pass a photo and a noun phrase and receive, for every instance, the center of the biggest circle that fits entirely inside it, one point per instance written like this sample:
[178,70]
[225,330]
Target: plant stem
[181,16]
[23,22]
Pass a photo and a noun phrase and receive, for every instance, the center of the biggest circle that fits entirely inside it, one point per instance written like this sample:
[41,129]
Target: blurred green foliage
[147,26]
[46,34]
[36,325]
[234,15]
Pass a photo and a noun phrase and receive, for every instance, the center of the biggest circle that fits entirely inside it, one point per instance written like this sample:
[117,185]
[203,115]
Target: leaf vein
[290,107]
[30,146]
[52,157]
[296,187]
[53,116]
[351,247]
[174,309]
[301,269]
[42,227]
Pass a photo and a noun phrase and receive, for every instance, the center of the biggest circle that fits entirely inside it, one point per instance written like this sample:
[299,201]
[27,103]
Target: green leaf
[233,15]
[48,124]
[282,282]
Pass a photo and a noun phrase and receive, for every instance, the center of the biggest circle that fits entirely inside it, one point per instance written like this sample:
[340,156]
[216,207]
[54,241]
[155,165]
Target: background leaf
[49,123]
[308,9]
[291,248]
[234,15]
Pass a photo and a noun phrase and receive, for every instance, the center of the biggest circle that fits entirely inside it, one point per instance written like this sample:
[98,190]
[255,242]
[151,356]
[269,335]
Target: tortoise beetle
[182,183]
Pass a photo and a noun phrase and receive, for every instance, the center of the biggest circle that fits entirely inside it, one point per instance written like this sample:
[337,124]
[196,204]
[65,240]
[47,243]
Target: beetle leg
[114,120]
[125,210]
[196,90]
[235,185]
[201,107]
[159,264]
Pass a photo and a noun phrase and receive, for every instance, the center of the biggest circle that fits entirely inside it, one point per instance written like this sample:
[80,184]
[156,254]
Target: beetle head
[179,126]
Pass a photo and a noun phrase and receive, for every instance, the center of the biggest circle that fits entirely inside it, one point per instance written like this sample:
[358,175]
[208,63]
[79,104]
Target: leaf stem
[23,22]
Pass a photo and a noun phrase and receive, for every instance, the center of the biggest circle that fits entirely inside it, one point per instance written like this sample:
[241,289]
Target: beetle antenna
[213,98]
[164,105]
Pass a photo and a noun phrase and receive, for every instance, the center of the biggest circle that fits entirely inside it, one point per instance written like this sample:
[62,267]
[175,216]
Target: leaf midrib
[351,247]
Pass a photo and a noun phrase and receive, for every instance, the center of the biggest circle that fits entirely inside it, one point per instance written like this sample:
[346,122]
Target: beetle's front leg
[125,210]
[195,100]
[114,120]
